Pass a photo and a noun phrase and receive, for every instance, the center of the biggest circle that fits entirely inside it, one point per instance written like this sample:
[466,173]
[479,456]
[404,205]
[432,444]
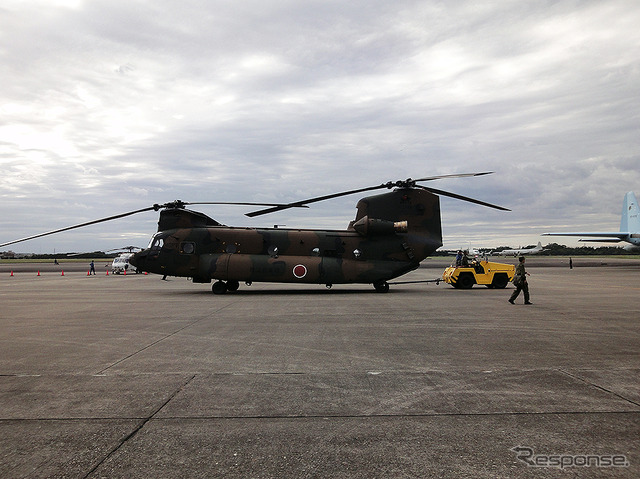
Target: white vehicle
[121,264]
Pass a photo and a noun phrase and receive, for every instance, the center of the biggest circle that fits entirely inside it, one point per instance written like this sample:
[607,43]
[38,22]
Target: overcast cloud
[112,106]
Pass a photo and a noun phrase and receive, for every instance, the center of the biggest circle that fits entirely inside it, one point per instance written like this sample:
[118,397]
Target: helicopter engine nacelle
[370,226]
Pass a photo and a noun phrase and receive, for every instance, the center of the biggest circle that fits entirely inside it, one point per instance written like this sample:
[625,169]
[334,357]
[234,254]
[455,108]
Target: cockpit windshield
[156,242]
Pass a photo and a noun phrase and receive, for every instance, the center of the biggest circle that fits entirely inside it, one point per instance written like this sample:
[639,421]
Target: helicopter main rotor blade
[463,198]
[173,204]
[88,223]
[243,204]
[457,175]
[129,248]
[408,183]
[302,203]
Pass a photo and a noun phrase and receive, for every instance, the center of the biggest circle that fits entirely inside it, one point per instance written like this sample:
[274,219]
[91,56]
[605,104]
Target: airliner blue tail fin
[630,221]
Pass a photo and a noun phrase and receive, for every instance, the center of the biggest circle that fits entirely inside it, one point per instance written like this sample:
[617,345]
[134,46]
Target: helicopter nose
[137,259]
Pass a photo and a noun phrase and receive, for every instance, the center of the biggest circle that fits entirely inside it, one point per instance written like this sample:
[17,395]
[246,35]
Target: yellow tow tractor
[484,272]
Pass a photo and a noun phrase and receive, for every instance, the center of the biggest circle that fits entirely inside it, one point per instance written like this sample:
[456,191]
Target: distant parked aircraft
[629,227]
[517,252]
[470,251]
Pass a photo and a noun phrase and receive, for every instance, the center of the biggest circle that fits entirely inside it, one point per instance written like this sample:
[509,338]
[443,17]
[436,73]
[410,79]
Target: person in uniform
[520,282]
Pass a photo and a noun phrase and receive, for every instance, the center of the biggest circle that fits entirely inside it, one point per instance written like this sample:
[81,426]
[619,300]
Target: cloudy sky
[112,106]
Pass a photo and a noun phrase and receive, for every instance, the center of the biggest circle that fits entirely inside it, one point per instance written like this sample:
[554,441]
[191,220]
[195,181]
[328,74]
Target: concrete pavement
[131,376]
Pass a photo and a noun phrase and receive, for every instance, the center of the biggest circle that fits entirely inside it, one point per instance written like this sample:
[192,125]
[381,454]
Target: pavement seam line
[137,429]
[160,340]
[599,387]
[404,415]
[316,416]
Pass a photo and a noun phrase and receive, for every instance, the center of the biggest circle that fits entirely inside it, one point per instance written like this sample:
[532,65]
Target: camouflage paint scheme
[376,246]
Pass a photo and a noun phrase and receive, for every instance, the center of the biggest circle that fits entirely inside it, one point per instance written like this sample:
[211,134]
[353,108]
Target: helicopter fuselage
[404,229]
[276,255]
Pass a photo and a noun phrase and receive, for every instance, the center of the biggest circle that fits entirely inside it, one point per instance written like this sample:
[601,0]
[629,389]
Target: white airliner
[517,252]
[629,227]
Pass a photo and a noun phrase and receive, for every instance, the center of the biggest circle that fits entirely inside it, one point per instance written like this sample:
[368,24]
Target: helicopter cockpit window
[156,243]
[187,247]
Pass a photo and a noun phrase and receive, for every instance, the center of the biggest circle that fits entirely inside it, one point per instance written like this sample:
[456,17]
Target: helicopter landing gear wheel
[232,285]
[381,286]
[219,287]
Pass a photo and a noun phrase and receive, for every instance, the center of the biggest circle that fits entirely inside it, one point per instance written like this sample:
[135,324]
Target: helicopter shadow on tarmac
[292,292]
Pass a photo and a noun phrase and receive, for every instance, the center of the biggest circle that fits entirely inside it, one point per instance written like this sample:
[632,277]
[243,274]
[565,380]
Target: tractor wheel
[465,281]
[500,281]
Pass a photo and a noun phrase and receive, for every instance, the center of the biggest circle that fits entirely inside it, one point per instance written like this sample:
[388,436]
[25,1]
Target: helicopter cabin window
[187,247]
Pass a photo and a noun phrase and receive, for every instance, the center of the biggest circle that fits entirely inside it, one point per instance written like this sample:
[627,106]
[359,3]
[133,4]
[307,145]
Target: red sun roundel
[299,271]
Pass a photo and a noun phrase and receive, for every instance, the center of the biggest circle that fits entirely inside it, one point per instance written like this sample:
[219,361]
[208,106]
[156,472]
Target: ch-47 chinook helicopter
[390,235]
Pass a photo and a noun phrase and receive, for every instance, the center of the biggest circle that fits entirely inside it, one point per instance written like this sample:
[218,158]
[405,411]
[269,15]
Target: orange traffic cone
[89,273]
[62,273]
[125,272]
[107,272]
[11,273]
[38,272]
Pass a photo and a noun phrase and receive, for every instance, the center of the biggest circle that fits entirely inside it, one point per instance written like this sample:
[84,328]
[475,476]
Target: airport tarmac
[135,377]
